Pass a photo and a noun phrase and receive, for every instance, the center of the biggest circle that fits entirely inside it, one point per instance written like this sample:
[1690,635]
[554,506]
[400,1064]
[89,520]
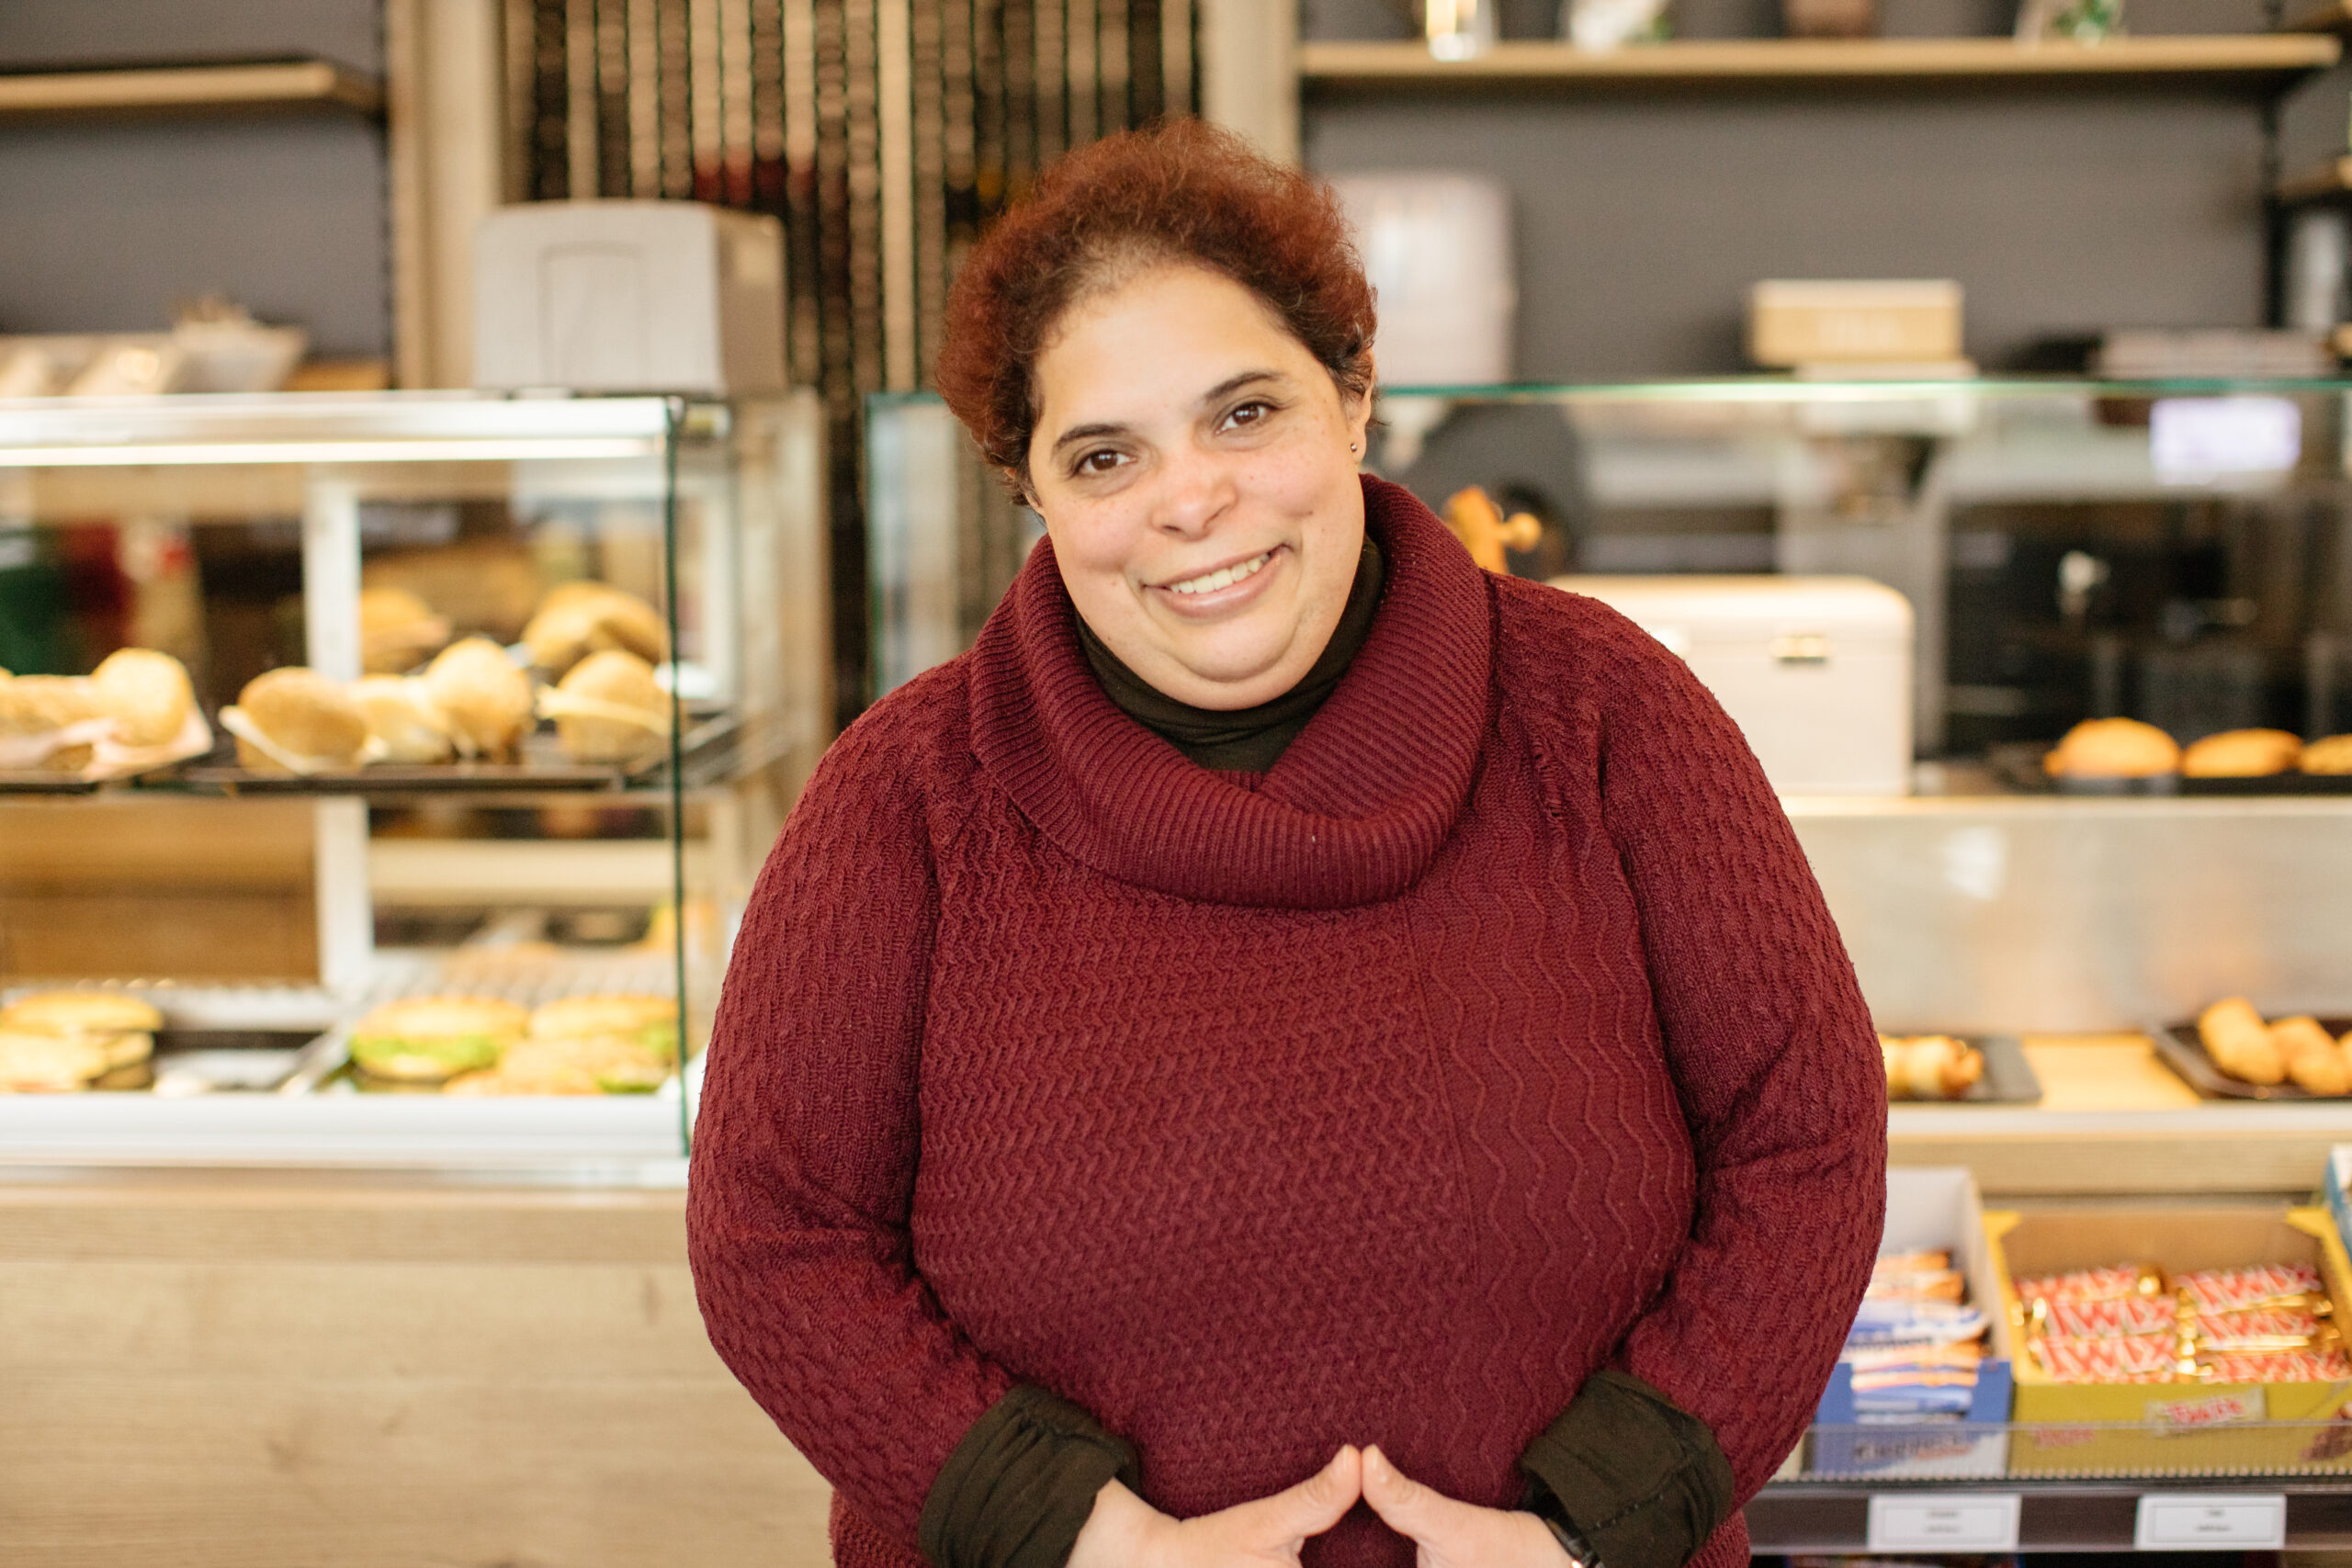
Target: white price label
[2219,1521]
[1943,1521]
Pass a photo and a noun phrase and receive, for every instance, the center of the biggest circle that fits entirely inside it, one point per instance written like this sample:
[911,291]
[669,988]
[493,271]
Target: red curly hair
[1184,192]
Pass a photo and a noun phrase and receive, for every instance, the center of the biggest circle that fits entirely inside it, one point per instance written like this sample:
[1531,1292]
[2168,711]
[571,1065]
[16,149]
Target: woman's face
[1192,461]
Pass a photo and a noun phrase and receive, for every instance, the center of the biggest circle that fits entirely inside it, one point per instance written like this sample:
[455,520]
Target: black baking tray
[542,765]
[2184,1053]
[2020,767]
[2009,1078]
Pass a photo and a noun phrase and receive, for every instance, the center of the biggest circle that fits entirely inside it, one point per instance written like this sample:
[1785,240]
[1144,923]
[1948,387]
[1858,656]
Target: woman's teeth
[1224,577]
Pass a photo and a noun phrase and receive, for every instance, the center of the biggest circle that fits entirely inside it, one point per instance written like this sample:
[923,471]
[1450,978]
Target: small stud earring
[1352,446]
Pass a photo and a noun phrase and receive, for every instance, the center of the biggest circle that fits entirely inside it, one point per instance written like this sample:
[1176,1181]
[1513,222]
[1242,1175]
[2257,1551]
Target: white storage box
[629,296]
[1437,247]
[1816,671]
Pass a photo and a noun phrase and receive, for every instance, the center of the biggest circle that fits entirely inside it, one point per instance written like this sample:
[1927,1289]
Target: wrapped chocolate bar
[1917,1277]
[2329,1365]
[2137,1357]
[2094,1284]
[2235,1290]
[2261,1329]
[2116,1316]
[1884,1322]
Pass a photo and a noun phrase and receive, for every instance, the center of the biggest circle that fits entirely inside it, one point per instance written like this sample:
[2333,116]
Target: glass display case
[417,827]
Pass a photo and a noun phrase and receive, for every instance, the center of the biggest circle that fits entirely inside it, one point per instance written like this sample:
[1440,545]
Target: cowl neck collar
[1353,812]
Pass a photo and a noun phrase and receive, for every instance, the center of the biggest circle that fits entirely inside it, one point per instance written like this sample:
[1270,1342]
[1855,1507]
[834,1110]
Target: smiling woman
[1295,1050]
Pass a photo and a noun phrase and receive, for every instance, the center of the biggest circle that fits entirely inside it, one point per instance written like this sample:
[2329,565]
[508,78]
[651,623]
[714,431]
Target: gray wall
[105,226]
[1643,217]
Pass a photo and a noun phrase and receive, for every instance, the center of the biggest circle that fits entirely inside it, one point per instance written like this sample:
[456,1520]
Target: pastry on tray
[294,720]
[2113,748]
[123,1028]
[403,724]
[430,1040]
[2330,754]
[2297,1050]
[484,700]
[1929,1067]
[609,708]
[2242,754]
[577,619]
[51,722]
[398,631]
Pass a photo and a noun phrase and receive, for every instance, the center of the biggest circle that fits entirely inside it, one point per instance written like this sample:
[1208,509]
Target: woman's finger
[1421,1513]
[1312,1507]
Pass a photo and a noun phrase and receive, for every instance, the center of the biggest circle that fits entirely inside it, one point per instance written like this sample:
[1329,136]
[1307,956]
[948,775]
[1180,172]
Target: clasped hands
[1124,1531]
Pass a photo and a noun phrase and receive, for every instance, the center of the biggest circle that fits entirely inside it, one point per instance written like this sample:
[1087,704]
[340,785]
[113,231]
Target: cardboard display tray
[2178,1047]
[541,766]
[2147,1428]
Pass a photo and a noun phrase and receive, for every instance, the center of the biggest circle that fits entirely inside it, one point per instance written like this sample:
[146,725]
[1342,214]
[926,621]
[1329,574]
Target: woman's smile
[1220,589]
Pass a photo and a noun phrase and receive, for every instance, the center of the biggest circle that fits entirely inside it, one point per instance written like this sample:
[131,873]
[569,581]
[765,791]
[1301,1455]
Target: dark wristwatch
[1579,1551]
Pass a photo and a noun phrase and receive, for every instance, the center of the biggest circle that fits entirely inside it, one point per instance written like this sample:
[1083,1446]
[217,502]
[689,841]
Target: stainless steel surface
[2058,915]
[400,423]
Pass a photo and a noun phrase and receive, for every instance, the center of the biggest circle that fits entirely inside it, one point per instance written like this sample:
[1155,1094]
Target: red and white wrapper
[2139,1358]
[2235,1290]
[2062,1318]
[2092,1284]
[2291,1366]
[2261,1329]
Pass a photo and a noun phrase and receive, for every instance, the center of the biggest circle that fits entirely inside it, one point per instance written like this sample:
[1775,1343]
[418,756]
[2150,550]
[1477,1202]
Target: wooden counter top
[2115,1120]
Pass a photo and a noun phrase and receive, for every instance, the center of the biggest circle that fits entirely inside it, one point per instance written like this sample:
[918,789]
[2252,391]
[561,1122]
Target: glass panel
[562,668]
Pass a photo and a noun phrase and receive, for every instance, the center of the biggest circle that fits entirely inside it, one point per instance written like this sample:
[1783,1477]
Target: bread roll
[122,1027]
[1929,1067]
[2239,1042]
[146,694]
[2114,749]
[403,726]
[293,720]
[577,619]
[35,1063]
[398,631]
[574,1065]
[484,700]
[50,722]
[431,1039]
[2242,754]
[2313,1062]
[609,710]
[618,1014]
[2330,755]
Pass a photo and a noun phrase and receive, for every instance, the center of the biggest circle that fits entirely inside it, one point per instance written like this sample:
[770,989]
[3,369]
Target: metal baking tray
[2020,767]
[542,766]
[2184,1053]
[215,1061]
[2009,1078]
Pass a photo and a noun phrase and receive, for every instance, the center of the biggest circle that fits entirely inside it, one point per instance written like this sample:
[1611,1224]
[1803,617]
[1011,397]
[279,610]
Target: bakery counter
[2114,1120]
[340,1370]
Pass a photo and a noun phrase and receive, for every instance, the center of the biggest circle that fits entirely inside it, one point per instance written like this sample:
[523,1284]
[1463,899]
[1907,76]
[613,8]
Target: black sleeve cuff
[1021,1483]
[1637,1479]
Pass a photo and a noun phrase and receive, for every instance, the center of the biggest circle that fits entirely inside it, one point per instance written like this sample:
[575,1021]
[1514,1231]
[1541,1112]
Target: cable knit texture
[1497,1034]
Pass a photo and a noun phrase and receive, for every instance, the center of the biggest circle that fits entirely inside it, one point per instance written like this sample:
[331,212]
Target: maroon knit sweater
[1498,1034]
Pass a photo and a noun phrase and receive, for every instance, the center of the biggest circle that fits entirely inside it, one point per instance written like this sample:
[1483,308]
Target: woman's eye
[1100,462]
[1249,414]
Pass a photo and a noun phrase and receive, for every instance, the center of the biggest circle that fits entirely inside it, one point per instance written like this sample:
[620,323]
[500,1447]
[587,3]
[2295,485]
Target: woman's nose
[1195,489]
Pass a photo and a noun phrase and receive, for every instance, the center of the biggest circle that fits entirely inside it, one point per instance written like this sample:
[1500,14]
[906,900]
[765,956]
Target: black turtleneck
[1242,740]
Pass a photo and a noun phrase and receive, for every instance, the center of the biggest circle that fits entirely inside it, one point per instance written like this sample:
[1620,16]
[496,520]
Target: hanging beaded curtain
[884,133]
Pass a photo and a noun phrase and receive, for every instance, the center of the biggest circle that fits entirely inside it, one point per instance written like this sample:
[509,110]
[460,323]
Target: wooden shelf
[2256,59]
[281,85]
[2336,17]
[2331,181]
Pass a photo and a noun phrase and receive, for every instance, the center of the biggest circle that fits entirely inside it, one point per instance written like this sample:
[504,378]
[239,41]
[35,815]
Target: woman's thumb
[1316,1503]
[1396,1497]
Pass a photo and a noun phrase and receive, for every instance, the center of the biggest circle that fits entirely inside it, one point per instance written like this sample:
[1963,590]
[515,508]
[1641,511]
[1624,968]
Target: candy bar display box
[1928,1209]
[2182,1426]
